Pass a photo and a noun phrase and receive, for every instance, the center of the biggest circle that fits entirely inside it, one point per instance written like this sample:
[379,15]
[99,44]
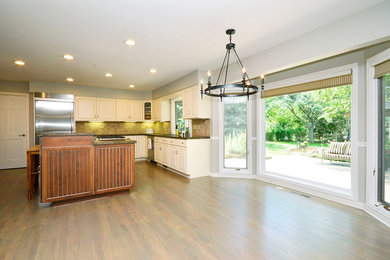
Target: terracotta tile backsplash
[200,127]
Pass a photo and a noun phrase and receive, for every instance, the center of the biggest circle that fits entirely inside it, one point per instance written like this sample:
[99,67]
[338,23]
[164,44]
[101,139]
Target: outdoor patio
[300,166]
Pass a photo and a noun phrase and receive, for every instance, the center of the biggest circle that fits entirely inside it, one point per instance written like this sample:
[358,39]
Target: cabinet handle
[160,148]
[176,152]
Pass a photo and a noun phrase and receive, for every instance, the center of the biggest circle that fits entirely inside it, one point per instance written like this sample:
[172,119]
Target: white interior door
[13,131]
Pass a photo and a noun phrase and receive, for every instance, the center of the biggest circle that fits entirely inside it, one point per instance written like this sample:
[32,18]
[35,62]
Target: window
[235,132]
[384,140]
[308,136]
[179,121]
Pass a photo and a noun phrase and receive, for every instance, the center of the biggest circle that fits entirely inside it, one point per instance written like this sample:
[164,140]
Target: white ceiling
[174,36]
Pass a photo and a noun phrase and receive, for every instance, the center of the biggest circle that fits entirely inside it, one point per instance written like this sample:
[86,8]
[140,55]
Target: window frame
[230,171]
[305,185]
[373,200]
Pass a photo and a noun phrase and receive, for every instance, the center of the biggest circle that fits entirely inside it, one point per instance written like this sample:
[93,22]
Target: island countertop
[113,142]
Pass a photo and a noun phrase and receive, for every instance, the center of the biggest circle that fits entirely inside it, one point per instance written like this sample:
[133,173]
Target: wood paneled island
[76,165]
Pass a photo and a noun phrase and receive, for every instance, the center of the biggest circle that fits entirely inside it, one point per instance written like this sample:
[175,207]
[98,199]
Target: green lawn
[279,148]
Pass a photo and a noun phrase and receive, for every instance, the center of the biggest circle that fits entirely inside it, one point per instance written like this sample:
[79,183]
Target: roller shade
[313,85]
[382,69]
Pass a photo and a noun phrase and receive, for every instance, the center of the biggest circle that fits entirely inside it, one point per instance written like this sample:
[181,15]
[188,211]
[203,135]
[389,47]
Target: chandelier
[242,88]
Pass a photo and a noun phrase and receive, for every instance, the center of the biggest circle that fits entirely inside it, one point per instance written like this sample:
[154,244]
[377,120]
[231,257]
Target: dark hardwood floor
[167,216]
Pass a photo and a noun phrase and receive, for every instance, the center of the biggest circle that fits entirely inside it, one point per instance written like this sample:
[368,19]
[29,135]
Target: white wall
[357,31]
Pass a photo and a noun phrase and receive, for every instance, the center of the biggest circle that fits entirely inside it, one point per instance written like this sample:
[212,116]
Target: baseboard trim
[313,192]
[232,175]
[377,215]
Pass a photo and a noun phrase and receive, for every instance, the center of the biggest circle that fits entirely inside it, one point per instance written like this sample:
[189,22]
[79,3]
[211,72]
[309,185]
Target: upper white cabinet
[95,109]
[161,110]
[105,109]
[147,110]
[194,106]
[128,110]
[122,111]
[85,109]
[136,110]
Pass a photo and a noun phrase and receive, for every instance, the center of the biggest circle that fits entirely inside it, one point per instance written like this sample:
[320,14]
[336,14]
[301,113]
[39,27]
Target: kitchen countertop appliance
[54,113]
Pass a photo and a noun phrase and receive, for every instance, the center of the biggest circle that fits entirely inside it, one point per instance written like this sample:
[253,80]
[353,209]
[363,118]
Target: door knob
[22,135]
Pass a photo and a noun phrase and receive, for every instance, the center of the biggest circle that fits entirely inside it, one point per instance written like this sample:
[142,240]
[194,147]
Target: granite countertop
[118,141]
[160,135]
[124,141]
[67,134]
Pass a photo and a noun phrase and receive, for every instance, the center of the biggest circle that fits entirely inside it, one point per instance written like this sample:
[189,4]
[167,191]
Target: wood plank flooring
[167,216]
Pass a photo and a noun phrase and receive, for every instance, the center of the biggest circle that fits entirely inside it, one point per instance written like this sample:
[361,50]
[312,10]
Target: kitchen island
[77,165]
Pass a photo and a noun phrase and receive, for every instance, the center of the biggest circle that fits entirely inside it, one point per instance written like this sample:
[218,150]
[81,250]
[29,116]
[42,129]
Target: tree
[306,108]
[324,112]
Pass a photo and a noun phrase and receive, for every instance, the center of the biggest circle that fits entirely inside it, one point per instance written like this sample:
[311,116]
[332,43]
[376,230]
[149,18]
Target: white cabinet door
[136,110]
[86,109]
[194,95]
[106,109]
[172,150]
[186,104]
[158,152]
[142,149]
[182,160]
[165,110]
[121,110]
[156,108]
[165,154]
[194,106]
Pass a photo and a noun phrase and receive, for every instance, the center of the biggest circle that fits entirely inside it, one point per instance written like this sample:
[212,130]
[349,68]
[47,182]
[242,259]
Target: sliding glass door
[384,140]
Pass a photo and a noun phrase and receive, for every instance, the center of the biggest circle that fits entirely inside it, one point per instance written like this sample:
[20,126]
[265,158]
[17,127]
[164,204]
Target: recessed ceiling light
[69,79]
[153,70]
[131,86]
[68,57]
[20,62]
[130,43]
[108,75]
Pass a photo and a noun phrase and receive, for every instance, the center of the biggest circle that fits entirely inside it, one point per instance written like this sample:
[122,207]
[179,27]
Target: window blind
[313,85]
[382,69]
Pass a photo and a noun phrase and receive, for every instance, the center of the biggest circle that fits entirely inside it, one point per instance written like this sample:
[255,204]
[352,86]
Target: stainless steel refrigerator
[54,113]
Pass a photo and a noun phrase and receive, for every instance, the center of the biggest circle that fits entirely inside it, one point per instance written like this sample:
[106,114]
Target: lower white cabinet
[190,157]
[141,149]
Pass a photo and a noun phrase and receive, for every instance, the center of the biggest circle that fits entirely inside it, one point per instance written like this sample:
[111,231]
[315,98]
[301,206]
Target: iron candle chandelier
[243,88]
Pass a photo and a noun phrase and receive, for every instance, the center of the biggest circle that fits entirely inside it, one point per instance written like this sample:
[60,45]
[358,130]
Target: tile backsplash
[200,127]
[119,128]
